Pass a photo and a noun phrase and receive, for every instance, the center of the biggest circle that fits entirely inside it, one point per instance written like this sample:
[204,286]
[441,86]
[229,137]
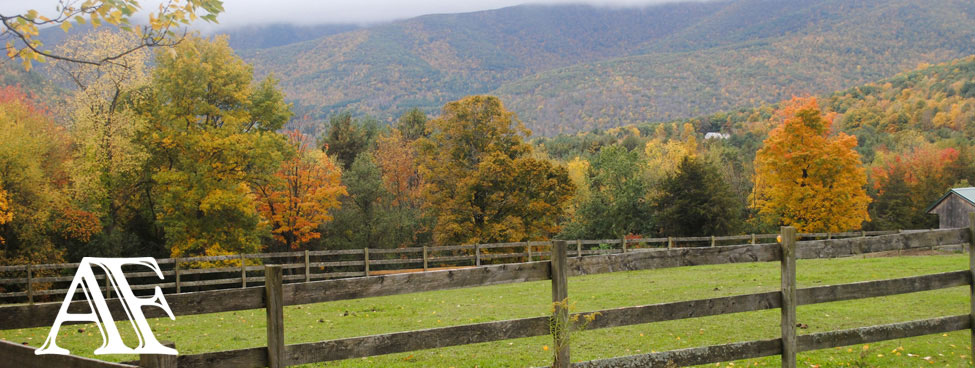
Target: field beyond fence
[561,265]
[49,282]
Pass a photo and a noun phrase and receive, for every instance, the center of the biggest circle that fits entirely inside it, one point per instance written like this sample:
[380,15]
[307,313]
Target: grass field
[231,330]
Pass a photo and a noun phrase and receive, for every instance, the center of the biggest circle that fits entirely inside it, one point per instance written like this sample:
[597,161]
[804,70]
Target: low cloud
[309,12]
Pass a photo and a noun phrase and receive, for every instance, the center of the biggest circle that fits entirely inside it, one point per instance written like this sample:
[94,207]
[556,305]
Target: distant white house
[717,135]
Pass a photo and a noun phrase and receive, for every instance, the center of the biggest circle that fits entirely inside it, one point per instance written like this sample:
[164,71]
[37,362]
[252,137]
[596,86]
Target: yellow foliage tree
[159,30]
[5,214]
[806,178]
[663,156]
[484,185]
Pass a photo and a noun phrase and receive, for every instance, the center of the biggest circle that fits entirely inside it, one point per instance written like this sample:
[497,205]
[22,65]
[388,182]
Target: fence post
[579,248]
[365,260]
[789,347]
[829,236]
[425,259]
[863,234]
[159,360]
[971,270]
[176,270]
[275,315]
[30,287]
[243,272]
[560,297]
[670,242]
[477,255]
[712,241]
[307,267]
[528,249]
[623,243]
[753,238]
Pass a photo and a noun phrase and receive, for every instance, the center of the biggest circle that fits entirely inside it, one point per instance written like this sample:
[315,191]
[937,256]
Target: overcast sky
[241,12]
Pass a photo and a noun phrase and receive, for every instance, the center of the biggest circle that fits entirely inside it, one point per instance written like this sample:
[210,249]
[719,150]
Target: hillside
[427,61]
[572,68]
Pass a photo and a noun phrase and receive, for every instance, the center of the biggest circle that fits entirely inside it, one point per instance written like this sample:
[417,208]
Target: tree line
[183,152]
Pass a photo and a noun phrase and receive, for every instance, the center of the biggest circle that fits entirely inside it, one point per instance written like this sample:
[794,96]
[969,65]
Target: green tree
[347,137]
[212,136]
[618,202]
[483,183]
[695,201]
[360,221]
[412,124]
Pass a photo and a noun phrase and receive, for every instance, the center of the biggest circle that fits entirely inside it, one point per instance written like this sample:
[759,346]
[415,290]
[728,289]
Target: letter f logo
[100,314]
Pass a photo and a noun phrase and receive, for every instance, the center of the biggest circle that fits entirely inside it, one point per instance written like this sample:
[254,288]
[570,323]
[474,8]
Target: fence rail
[25,283]
[276,294]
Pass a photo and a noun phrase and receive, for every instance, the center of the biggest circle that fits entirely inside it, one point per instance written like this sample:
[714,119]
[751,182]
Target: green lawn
[212,332]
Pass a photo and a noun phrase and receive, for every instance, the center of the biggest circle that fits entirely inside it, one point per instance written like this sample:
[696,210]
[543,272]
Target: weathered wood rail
[276,294]
[50,281]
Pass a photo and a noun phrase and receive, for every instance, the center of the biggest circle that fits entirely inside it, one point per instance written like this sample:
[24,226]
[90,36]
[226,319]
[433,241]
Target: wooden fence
[276,294]
[50,281]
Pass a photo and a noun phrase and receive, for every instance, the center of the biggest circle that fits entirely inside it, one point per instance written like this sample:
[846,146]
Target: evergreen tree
[346,138]
[695,201]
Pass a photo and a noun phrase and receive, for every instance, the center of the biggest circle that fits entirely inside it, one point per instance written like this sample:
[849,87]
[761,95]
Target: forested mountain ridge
[427,61]
[570,68]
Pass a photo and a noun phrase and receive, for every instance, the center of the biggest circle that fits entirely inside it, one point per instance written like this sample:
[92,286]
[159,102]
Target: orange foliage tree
[909,182]
[299,198]
[806,178]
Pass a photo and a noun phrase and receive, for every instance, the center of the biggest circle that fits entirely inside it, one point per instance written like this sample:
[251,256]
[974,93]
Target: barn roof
[967,194]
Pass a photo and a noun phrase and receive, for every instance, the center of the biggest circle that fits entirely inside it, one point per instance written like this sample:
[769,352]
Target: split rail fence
[275,294]
[49,282]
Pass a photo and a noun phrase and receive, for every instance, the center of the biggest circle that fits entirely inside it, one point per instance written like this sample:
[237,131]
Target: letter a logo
[100,313]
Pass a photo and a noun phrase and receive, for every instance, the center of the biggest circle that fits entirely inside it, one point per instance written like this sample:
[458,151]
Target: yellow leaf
[65,26]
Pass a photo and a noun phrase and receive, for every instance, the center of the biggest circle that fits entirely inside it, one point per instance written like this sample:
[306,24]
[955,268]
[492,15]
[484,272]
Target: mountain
[263,36]
[568,68]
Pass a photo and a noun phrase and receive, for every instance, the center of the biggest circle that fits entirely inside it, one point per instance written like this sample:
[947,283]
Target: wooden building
[953,208]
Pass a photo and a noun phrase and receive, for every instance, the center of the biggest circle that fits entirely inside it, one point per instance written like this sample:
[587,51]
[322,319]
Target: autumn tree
[909,182]
[806,177]
[301,196]
[664,155]
[696,201]
[483,183]
[397,160]
[38,219]
[159,30]
[108,161]
[212,136]
[5,214]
